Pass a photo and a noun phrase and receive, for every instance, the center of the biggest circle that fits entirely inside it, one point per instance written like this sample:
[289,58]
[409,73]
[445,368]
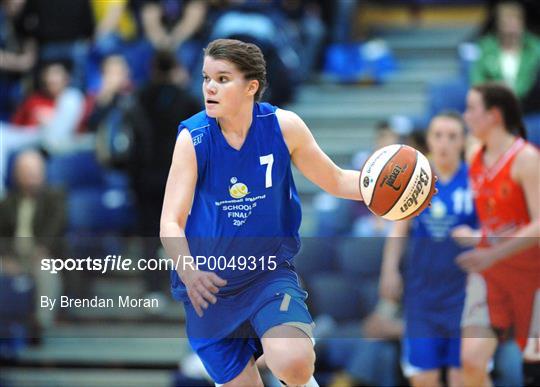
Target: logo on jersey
[197,139]
[391,178]
[237,190]
[438,209]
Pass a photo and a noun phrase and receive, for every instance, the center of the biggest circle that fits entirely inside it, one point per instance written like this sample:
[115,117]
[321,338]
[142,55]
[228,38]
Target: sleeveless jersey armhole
[279,132]
[199,145]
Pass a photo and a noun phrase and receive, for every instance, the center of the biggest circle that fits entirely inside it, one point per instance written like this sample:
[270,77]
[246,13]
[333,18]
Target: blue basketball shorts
[229,333]
[426,345]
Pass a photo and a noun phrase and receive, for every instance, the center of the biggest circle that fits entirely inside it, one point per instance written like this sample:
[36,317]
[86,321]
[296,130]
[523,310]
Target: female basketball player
[230,191]
[506,182]
[434,285]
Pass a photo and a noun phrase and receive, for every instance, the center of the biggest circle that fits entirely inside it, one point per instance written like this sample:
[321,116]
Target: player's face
[445,141]
[478,119]
[225,88]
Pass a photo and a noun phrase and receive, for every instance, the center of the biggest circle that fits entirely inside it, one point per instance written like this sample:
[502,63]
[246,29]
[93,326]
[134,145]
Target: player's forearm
[525,238]
[348,185]
[393,250]
[395,246]
[173,239]
[190,23]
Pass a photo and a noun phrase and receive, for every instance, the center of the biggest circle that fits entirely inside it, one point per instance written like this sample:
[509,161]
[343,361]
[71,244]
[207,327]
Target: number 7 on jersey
[268,160]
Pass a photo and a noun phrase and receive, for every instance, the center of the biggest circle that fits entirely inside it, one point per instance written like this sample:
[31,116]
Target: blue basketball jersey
[245,202]
[433,280]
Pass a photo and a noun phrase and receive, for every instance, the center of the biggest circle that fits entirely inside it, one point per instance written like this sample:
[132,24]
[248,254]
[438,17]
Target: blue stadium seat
[17,295]
[353,62]
[75,171]
[361,257]
[334,295]
[317,255]
[532,123]
[447,95]
[98,210]
[116,179]
[9,178]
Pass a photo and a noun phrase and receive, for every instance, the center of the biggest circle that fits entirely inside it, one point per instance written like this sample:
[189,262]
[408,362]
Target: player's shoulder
[294,130]
[265,110]
[524,167]
[528,154]
[197,126]
[288,120]
[196,122]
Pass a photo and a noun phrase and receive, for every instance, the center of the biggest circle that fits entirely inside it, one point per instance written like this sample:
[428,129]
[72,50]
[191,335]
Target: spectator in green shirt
[511,54]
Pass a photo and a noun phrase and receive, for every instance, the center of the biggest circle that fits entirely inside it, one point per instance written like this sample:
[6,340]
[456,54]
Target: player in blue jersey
[230,199]
[433,285]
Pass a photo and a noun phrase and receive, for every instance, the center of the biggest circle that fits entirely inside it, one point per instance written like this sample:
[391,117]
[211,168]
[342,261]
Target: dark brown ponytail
[497,95]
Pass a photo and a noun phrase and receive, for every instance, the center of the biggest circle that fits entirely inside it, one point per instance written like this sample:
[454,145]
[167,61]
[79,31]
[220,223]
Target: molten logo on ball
[423,181]
[389,180]
[366,181]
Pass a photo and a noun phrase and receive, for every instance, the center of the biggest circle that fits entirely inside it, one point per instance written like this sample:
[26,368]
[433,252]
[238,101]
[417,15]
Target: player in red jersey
[505,267]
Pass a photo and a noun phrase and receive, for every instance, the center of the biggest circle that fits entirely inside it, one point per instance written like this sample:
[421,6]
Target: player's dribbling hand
[475,260]
[466,236]
[201,288]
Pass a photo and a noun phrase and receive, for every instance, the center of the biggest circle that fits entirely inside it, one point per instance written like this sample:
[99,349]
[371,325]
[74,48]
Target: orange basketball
[397,182]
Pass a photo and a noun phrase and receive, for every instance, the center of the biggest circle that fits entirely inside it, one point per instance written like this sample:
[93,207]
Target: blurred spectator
[50,118]
[115,84]
[342,21]
[114,116]
[163,101]
[34,215]
[304,21]
[264,24]
[115,23]
[41,20]
[511,54]
[532,15]
[54,112]
[173,25]
[17,56]
[119,32]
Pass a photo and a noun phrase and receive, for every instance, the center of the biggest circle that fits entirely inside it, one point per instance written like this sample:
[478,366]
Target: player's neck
[498,142]
[445,171]
[237,125]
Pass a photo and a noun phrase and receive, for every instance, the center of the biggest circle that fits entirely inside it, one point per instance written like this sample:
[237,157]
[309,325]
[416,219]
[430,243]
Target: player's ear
[253,86]
[496,115]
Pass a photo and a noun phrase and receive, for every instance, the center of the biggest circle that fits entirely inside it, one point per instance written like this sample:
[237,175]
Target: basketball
[397,182]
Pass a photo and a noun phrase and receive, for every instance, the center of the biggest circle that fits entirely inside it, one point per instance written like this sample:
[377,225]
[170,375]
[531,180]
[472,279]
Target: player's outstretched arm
[314,164]
[201,286]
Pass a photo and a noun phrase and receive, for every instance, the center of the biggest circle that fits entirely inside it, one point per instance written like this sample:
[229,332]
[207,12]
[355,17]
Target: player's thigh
[478,345]
[429,378]
[284,345]
[247,378]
